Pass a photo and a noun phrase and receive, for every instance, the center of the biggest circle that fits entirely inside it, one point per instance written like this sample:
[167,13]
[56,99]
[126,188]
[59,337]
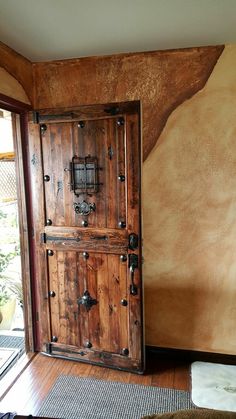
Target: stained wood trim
[13,105]
[23,227]
[20,136]
[84,112]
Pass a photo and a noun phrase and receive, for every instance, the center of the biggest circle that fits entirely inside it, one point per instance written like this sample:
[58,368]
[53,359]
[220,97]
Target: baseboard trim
[189,355]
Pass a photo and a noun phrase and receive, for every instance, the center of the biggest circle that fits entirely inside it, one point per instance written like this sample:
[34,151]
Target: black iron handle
[133,264]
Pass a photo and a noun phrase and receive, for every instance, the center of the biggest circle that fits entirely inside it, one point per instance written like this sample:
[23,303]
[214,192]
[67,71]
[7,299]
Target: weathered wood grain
[40,285]
[106,332]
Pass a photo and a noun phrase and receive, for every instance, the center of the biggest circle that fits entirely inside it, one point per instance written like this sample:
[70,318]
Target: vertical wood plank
[71,300]
[54,301]
[93,265]
[114,302]
[82,287]
[134,226]
[62,292]
[121,170]
[65,197]
[124,310]
[41,280]
[111,190]
[47,141]
[103,296]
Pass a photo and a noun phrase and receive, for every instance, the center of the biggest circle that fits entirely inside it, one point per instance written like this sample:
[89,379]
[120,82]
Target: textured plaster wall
[189,204]
[161,80]
[9,86]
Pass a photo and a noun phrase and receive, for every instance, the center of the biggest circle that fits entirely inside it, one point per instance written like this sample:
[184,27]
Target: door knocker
[84,208]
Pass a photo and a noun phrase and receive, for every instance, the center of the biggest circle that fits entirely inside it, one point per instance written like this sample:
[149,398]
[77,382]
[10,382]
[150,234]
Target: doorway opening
[12,335]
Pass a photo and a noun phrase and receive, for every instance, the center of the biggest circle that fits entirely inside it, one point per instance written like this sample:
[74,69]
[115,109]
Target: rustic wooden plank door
[90,241]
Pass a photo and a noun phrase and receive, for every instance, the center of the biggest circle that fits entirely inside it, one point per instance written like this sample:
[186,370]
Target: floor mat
[214,386]
[75,397]
[9,341]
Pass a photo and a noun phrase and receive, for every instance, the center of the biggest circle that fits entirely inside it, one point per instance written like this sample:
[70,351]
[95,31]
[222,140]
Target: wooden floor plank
[28,392]
[182,377]
[164,376]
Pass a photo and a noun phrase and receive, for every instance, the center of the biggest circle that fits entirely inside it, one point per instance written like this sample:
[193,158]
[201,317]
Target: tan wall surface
[9,86]
[190,224]
[18,67]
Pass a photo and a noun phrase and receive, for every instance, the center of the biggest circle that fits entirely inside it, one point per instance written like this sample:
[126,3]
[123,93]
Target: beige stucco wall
[9,86]
[189,203]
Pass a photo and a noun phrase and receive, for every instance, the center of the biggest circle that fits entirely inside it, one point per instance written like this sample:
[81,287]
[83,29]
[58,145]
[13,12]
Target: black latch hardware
[113,110]
[133,264]
[48,347]
[133,241]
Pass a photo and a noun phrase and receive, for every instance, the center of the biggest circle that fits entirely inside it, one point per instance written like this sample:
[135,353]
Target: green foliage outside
[8,285]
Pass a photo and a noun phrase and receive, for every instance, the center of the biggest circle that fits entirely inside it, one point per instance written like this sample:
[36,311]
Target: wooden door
[88,250]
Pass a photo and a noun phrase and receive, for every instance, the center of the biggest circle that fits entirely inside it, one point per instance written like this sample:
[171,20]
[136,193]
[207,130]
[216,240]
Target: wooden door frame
[20,136]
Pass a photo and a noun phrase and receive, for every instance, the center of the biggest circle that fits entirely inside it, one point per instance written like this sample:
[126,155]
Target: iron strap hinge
[43,238]
[35,117]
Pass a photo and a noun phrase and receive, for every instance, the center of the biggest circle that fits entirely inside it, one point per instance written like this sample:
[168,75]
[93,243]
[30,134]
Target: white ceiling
[44,30]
